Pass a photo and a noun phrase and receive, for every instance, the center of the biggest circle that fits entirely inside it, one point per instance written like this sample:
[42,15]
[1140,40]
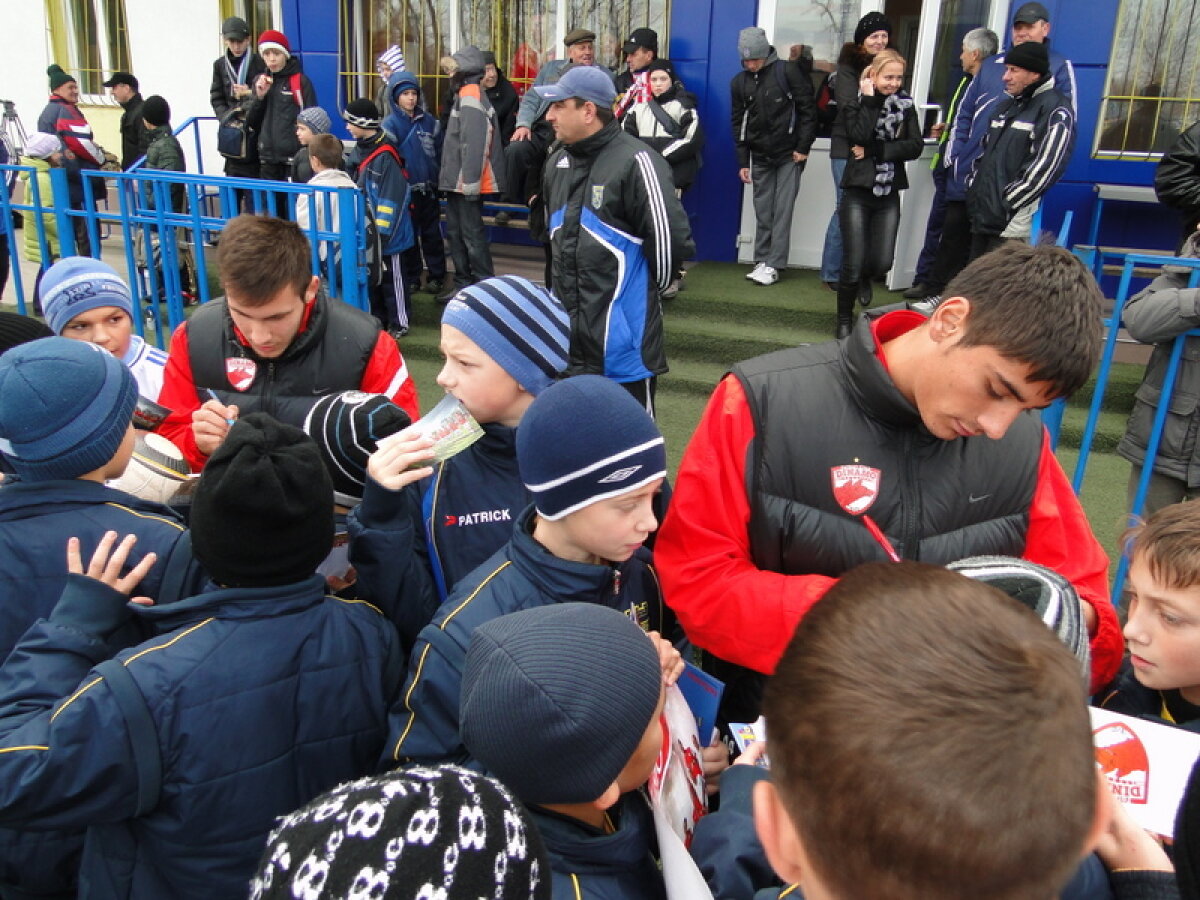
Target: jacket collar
[19,499]
[235,603]
[560,578]
[869,382]
[575,846]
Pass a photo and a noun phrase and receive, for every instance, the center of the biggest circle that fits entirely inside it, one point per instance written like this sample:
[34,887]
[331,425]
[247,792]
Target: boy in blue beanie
[575,748]
[417,135]
[593,460]
[86,300]
[66,410]
[248,700]
[504,341]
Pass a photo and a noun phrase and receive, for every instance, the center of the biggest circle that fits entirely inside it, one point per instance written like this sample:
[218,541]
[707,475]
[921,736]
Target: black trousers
[954,251]
[427,229]
[869,225]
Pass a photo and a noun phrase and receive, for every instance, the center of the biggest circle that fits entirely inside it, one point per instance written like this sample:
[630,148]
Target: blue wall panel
[704,51]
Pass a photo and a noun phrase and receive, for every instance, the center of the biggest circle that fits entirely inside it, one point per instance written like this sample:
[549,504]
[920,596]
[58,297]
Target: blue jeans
[831,257]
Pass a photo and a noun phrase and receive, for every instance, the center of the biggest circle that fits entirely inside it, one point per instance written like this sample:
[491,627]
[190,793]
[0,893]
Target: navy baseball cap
[583,82]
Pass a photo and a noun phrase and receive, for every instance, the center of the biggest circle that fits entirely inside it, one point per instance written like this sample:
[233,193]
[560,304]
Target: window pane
[520,33]
[822,26]
[613,20]
[956,19]
[1153,78]
[419,27]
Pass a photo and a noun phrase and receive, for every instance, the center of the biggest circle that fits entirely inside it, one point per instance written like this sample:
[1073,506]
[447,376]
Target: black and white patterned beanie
[419,833]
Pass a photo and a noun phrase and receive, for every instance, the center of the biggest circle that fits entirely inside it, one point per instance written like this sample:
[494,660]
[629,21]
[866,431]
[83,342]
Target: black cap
[1029,13]
[156,111]
[641,37]
[1031,56]
[236,28]
[122,78]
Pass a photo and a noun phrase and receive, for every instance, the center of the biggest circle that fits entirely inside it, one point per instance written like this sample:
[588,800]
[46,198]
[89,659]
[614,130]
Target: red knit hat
[274,40]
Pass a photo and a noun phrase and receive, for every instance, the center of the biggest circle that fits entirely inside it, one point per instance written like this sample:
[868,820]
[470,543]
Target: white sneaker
[926,306]
[768,275]
[756,271]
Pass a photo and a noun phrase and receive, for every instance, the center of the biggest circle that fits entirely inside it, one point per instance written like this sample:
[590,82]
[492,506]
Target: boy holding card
[1160,678]
[574,748]
[593,460]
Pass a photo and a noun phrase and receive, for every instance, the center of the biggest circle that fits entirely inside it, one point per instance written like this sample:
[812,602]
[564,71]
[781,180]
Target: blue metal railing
[156,238]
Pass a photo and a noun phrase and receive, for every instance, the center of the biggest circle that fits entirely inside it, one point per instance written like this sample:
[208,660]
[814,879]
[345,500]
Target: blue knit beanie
[555,699]
[76,284]
[64,407]
[523,327]
[583,440]
[315,119]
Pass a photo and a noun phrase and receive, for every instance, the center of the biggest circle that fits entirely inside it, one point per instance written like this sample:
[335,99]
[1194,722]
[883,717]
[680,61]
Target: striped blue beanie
[523,327]
[76,284]
[65,407]
[584,440]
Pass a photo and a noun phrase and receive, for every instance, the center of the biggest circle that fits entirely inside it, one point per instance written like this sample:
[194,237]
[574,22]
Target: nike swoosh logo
[971,498]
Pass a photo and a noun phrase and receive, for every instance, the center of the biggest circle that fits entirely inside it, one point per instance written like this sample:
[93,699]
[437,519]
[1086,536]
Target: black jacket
[1027,148]
[504,100]
[618,234]
[1177,178]
[774,114]
[134,134]
[851,62]
[858,118]
[273,117]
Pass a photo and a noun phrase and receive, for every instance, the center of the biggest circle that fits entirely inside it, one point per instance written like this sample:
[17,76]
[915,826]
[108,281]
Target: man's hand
[798,157]
[521,134]
[936,131]
[668,658]
[211,423]
[106,564]
[391,465]
[858,152]
[744,174]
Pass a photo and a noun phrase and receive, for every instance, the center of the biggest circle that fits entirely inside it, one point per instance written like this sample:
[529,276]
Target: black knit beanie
[263,510]
[17,329]
[156,111]
[1031,56]
[869,24]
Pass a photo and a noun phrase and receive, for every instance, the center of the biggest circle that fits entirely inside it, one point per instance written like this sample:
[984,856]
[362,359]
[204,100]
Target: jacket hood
[470,61]
[400,82]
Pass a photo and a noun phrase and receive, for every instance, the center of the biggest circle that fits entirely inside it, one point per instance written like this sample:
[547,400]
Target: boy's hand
[754,751]
[668,658]
[714,759]
[262,85]
[106,564]
[391,465]
[1125,845]
[211,423]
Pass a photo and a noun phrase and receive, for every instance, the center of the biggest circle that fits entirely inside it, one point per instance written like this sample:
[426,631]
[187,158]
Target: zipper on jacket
[910,497]
[269,406]
[616,582]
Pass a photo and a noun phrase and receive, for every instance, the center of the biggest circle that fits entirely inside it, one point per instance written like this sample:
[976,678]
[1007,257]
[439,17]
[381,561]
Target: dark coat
[248,704]
[858,117]
[273,116]
[768,123]
[134,136]
[1177,178]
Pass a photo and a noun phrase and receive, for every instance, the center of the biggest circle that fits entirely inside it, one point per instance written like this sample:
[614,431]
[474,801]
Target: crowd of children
[217,696]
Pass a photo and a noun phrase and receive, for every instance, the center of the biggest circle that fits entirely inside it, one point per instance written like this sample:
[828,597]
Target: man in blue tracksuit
[1031,23]
[417,135]
[377,167]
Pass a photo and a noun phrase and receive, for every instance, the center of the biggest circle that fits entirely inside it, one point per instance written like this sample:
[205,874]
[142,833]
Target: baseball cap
[122,78]
[235,27]
[582,82]
[641,37]
[1029,13]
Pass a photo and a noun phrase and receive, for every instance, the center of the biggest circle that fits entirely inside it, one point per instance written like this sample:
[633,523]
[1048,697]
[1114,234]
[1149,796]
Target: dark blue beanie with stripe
[523,327]
[583,440]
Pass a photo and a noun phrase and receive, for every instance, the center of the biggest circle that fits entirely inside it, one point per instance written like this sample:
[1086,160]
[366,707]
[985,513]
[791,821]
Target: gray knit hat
[556,699]
[315,118]
[1043,590]
[753,44]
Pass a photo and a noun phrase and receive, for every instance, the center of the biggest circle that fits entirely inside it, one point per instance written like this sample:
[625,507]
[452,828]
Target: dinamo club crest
[240,372]
[855,487]
[1123,759]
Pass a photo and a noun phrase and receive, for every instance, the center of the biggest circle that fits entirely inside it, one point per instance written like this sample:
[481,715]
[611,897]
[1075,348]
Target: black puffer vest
[836,439]
[330,355]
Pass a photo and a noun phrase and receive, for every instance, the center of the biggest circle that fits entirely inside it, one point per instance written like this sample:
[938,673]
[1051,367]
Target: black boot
[865,294]
[847,294]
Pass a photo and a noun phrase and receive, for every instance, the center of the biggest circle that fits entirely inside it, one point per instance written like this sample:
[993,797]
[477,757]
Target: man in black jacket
[617,234]
[1027,148]
[124,89]
[1177,179]
[774,123]
[233,73]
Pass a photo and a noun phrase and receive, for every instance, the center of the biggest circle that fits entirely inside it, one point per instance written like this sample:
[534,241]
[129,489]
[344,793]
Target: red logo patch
[855,487]
[1124,762]
[241,372]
